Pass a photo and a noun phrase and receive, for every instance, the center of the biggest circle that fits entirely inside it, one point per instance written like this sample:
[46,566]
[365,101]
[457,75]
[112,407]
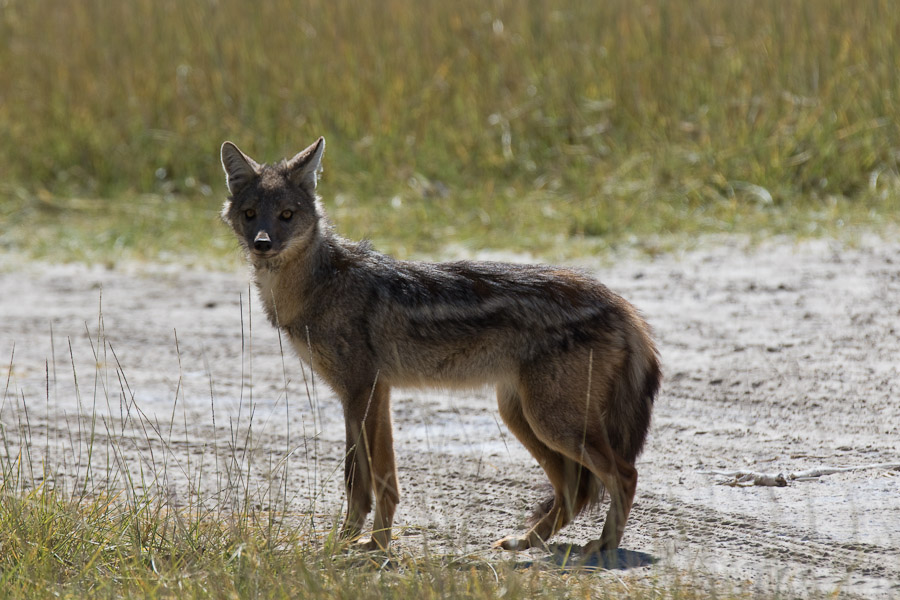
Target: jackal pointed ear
[239,168]
[304,168]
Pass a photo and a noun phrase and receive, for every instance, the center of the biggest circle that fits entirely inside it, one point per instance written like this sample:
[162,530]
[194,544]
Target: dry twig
[744,478]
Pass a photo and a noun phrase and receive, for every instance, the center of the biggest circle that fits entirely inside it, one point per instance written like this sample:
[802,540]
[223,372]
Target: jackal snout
[262,242]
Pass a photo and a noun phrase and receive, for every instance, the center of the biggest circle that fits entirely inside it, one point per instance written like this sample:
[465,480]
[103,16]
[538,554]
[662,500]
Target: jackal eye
[286,215]
[249,213]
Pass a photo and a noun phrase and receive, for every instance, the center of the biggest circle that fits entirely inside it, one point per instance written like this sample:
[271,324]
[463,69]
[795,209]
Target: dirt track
[779,359]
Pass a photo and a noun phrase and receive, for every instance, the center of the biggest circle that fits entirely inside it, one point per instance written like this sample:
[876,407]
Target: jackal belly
[472,364]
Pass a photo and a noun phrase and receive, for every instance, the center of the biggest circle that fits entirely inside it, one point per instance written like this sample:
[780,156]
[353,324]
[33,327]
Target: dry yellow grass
[499,123]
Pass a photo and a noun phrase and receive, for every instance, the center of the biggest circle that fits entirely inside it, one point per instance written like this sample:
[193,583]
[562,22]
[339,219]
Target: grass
[550,126]
[107,561]
[102,498]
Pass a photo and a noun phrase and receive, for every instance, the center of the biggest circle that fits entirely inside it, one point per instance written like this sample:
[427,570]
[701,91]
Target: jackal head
[272,208]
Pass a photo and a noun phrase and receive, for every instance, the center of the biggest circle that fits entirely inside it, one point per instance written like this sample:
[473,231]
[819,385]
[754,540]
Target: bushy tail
[632,399]
[627,423]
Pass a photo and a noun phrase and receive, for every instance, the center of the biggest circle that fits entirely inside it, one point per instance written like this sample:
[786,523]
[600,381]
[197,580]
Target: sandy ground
[779,358]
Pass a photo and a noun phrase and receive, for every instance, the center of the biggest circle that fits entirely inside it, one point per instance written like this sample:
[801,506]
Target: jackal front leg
[370,468]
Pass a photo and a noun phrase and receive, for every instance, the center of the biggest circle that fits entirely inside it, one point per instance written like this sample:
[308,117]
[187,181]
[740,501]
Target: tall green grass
[506,123]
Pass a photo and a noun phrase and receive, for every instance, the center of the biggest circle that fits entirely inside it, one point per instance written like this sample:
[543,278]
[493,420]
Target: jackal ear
[239,168]
[304,168]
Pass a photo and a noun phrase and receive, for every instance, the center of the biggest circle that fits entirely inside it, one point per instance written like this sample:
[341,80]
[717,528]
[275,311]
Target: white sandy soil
[779,358]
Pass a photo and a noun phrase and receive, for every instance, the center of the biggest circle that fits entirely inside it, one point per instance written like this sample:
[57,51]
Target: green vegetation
[522,124]
[55,548]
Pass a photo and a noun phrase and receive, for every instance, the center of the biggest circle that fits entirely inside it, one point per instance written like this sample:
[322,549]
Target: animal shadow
[574,557]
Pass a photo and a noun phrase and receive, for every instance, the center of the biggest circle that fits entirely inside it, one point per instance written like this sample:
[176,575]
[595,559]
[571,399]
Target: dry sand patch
[778,358]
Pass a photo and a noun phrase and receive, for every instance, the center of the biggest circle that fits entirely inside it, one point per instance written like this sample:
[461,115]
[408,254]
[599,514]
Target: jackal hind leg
[621,501]
[618,476]
[571,488]
[560,419]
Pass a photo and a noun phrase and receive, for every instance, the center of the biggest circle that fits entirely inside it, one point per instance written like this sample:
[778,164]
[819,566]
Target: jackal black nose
[262,242]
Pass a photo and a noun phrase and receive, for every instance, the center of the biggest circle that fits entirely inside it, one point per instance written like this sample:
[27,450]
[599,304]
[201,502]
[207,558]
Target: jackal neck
[287,283]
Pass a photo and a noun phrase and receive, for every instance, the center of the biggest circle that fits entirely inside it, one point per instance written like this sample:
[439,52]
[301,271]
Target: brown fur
[574,364]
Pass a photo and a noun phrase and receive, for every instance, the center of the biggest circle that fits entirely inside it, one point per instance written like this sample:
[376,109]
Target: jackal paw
[349,533]
[514,543]
[599,547]
[367,545]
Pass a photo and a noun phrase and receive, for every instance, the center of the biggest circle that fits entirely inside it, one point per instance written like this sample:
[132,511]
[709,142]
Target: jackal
[574,365]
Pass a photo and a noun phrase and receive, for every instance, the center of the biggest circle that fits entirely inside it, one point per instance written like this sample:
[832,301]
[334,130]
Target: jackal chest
[279,305]
[328,356]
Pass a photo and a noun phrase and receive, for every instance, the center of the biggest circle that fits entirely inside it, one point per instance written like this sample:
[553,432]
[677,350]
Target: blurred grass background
[542,125]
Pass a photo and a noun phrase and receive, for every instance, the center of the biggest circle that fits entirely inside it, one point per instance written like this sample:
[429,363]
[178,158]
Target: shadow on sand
[562,557]
[572,557]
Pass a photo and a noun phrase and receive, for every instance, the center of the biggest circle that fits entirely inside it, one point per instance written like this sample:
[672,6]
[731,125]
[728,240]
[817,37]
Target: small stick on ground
[744,478]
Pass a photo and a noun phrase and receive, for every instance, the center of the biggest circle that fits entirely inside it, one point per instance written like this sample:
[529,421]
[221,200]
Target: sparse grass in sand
[111,503]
